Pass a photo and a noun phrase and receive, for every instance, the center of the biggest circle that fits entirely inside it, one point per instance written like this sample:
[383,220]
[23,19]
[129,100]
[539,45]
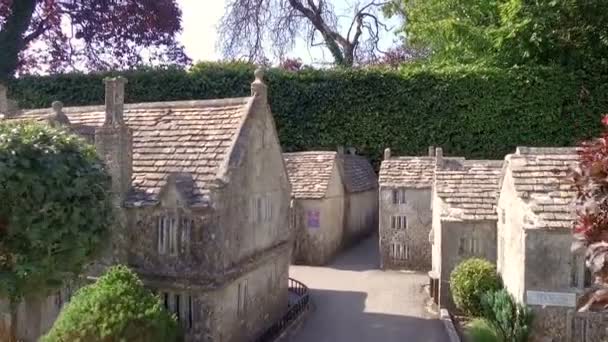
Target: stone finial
[351,150]
[59,116]
[258,88]
[115,100]
[387,153]
[431,151]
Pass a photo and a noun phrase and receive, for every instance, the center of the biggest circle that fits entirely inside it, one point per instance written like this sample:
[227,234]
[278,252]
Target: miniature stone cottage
[536,214]
[465,193]
[204,199]
[360,196]
[405,211]
[318,205]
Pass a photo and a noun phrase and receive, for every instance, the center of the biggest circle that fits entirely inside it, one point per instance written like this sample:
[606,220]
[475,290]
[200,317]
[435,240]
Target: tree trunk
[12,37]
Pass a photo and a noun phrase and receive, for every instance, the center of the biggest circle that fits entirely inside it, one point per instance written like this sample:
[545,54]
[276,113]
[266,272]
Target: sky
[201,17]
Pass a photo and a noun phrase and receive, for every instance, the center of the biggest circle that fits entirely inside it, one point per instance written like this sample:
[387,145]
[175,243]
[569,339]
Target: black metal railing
[293,311]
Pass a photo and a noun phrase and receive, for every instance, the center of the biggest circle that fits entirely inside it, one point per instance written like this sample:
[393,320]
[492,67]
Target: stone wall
[317,242]
[361,215]
[453,250]
[417,210]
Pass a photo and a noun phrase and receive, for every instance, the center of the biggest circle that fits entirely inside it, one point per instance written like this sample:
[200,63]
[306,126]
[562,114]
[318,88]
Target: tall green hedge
[477,112]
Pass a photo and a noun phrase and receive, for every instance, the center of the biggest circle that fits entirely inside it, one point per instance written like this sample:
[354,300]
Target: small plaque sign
[313,218]
[551,298]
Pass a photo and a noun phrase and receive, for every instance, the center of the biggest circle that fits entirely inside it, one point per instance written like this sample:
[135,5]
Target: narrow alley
[353,300]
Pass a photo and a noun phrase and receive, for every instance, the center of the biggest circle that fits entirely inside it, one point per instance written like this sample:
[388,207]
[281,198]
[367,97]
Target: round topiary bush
[115,308]
[469,281]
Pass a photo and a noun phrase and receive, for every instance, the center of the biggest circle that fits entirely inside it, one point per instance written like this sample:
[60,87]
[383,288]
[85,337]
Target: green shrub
[55,207]
[477,112]
[469,281]
[480,330]
[510,319]
[115,308]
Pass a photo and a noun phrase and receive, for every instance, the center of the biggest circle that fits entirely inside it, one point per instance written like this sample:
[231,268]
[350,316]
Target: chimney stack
[439,156]
[7,106]
[115,100]
[340,150]
[114,139]
[431,151]
[387,153]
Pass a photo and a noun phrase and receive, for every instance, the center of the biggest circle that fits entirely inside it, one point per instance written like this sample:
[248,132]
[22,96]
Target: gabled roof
[358,174]
[186,137]
[411,172]
[541,178]
[470,192]
[309,173]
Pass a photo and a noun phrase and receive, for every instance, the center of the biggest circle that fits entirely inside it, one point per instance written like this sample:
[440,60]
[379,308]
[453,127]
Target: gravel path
[355,301]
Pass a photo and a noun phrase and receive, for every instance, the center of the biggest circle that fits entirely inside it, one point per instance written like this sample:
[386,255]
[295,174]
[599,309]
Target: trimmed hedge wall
[470,111]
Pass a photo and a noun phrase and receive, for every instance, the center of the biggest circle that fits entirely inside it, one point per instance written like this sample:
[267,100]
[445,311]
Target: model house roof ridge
[358,173]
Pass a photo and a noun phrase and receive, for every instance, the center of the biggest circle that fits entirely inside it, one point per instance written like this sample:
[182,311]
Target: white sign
[551,298]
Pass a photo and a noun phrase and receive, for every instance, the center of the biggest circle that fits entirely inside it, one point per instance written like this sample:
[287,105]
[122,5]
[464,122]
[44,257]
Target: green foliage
[115,308]
[480,330]
[510,32]
[54,207]
[511,320]
[472,111]
[469,281]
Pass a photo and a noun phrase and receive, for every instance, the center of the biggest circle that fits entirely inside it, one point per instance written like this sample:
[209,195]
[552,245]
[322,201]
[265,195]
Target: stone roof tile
[412,172]
[541,178]
[310,172]
[191,137]
[471,191]
[359,174]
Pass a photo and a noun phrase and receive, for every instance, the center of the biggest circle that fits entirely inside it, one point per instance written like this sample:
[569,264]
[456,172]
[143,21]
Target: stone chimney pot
[439,155]
[431,151]
[340,150]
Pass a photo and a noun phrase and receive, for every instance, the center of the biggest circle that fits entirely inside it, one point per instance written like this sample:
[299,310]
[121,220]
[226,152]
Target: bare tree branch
[253,28]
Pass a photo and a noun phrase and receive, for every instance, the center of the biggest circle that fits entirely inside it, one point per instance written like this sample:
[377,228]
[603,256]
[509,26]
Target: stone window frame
[174,233]
[469,245]
[399,251]
[398,196]
[399,222]
[181,304]
[242,298]
[260,208]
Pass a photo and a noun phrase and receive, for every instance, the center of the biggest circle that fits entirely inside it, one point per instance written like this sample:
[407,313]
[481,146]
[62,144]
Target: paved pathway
[355,301]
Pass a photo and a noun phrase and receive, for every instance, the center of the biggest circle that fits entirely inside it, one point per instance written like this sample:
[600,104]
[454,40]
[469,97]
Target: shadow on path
[363,256]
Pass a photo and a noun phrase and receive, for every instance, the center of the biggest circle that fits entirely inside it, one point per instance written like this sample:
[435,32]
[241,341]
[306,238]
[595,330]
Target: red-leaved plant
[591,227]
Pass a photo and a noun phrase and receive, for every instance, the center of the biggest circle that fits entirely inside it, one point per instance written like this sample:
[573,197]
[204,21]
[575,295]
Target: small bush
[480,330]
[115,308]
[510,319]
[469,281]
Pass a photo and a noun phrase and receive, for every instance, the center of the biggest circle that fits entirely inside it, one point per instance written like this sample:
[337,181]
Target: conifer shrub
[115,308]
[511,320]
[480,330]
[469,281]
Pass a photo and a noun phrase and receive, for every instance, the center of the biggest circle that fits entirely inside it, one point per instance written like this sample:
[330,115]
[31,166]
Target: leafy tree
[591,228]
[54,209]
[115,308]
[508,32]
[251,27]
[96,34]
[469,281]
[511,320]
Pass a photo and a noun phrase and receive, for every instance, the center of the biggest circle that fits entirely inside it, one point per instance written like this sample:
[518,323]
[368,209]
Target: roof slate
[186,137]
[412,172]
[541,178]
[359,174]
[309,173]
[470,192]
